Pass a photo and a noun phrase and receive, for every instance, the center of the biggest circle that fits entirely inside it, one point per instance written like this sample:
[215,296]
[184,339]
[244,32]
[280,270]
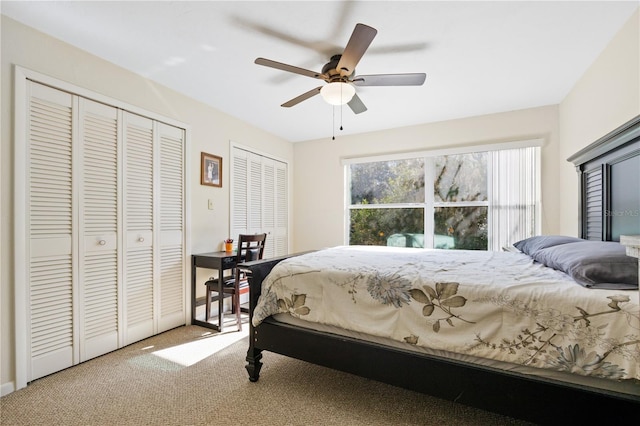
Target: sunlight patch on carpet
[150,362]
[190,353]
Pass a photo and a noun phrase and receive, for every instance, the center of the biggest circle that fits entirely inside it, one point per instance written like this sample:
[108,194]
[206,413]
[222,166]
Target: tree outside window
[460,201]
[392,205]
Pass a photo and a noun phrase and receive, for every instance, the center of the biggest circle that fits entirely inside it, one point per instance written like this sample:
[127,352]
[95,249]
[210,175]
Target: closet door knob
[102,242]
[140,239]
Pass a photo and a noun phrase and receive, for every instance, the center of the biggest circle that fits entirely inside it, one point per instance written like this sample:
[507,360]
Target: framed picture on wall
[211,170]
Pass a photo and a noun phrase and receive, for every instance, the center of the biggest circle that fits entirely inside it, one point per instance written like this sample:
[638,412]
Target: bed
[534,333]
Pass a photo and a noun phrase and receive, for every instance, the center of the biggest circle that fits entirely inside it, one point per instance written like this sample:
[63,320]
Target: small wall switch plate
[210,204]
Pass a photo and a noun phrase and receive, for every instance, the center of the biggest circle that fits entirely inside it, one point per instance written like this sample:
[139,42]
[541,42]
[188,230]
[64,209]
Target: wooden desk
[220,260]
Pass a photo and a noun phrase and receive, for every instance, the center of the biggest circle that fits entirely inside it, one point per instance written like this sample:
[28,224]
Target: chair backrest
[250,247]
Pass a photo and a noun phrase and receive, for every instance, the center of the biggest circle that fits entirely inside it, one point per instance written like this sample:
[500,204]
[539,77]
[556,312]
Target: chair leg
[237,297]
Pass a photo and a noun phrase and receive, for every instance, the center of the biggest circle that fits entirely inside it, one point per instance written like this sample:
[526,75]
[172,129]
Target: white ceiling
[479,57]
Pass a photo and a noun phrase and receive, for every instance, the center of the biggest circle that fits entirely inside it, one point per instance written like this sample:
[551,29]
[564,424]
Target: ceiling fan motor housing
[331,71]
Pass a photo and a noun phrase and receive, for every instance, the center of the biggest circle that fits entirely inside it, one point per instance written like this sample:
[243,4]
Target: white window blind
[514,196]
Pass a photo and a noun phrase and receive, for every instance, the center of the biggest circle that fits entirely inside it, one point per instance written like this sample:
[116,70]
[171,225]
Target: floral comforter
[495,305]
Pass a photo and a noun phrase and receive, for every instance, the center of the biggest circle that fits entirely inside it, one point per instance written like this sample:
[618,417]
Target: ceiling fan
[339,74]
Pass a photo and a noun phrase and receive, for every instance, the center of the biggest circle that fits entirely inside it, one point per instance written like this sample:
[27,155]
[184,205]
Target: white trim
[20,229]
[444,151]
[7,388]
[346,182]
[386,206]
[252,150]
[490,194]
[76,213]
[90,94]
[418,205]
[429,198]
[120,224]
[156,249]
[437,204]
[187,223]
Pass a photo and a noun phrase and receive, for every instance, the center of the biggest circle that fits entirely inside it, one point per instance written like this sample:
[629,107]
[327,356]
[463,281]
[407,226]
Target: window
[477,201]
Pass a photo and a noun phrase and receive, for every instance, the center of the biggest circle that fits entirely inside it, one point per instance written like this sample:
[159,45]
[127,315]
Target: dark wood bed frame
[503,392]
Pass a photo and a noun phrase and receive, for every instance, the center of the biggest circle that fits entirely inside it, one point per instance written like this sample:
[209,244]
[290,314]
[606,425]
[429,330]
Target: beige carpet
[178,378]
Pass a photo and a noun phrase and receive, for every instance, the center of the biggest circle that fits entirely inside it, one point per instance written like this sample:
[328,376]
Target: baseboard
[7,388]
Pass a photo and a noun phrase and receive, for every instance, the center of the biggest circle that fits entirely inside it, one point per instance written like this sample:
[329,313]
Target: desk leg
[193,291]
[220,298]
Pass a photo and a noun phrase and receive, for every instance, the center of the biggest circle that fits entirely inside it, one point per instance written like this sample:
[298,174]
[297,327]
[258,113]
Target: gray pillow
[593,264]
[533,244]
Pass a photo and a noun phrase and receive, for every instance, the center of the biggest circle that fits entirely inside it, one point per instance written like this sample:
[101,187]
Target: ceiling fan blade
[302,97]
[326,48]
[398,48]
[415,79]
[356,105]
[289,68]
[360,40]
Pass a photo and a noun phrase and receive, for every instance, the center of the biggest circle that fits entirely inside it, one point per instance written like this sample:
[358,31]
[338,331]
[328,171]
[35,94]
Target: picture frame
[210,170]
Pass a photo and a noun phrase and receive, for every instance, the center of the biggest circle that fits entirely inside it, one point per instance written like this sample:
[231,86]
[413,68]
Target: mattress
[489,306]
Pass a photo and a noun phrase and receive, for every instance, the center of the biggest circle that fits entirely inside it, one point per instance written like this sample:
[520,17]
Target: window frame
[430,204]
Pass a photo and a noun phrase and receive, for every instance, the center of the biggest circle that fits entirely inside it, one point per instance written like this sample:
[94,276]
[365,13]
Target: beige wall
[606,96]
[318,171]
[211,131]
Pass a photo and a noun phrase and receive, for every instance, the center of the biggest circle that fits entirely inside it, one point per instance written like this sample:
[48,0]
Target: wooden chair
[250,247]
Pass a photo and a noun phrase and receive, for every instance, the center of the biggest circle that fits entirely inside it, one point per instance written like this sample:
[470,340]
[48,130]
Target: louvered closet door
[254,184]
[274,206]
[138,279]
[268,204]
[171,297]
[239,192]
[281,211]
[100,244]
[259,199]
[50,230]
[98,269]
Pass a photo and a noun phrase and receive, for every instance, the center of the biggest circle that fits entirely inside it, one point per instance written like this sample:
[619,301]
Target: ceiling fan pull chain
[333,123]
[341,105]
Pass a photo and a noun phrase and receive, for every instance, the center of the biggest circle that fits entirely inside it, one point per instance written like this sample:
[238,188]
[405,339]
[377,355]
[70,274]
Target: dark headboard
[609,172]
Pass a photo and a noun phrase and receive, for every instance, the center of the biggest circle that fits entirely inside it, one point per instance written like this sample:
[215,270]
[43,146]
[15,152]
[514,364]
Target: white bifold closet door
[138,218]
[153,296]
[259,199]
[73,310]
[105,219]
[98,277]
[170,269]
[50,234]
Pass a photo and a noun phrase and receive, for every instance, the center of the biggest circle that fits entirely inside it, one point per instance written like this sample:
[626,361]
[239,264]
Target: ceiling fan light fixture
[337,93]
